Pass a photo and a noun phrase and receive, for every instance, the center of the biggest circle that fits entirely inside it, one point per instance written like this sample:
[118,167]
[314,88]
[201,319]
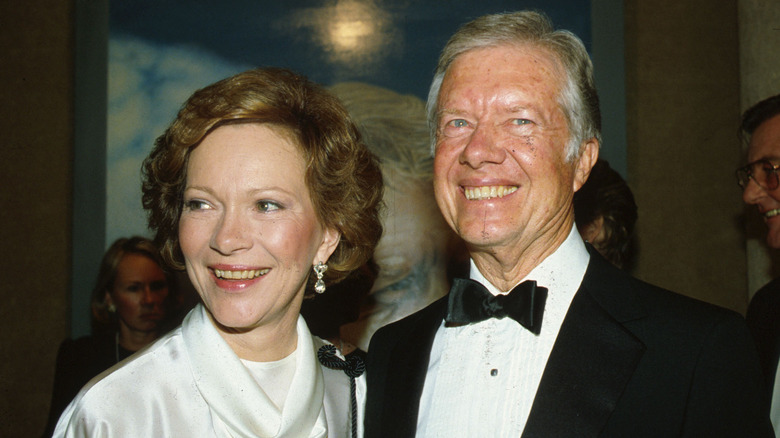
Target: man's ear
[589,154]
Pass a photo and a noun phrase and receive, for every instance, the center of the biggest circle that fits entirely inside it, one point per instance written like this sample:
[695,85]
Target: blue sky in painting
[160,51]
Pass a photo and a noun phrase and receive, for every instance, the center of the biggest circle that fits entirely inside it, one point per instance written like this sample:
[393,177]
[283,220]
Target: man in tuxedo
[578,347]
[760,129]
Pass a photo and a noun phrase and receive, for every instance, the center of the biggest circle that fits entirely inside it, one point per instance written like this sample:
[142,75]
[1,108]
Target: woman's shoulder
[157,376]
[150,367]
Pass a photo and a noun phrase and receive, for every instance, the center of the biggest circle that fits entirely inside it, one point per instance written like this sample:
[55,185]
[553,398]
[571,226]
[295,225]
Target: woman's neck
[264,343]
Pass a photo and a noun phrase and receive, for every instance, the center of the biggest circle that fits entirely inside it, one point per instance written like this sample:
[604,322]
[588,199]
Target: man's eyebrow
[450,112]
[518,108]
[772,158]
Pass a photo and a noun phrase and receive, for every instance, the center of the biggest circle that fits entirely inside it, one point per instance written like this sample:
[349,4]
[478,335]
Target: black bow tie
[470,302]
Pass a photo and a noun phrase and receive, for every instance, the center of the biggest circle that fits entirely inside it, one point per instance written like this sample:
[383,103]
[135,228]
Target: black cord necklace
[353,367]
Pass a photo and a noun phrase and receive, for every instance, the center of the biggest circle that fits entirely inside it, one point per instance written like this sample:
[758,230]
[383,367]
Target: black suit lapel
[591,362]
[405,378]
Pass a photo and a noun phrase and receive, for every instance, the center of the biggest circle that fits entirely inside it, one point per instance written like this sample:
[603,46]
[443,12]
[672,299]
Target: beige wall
[683,108]
[35,118]
[683,89]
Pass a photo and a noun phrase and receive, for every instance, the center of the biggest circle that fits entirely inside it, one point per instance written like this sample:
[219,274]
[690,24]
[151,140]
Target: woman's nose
[230,234]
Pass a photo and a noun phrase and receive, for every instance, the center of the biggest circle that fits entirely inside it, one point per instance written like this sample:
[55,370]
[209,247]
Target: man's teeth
[240,275]
[488,192]
[772,213]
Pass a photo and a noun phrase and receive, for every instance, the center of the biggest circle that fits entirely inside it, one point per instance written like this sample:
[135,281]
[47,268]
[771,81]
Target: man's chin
[773,238]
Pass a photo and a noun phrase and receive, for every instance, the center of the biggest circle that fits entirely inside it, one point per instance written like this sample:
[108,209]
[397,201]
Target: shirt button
[494,372]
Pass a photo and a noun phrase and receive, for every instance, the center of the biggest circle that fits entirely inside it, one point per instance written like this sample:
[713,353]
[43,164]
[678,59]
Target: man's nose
[752,192]
[483,147]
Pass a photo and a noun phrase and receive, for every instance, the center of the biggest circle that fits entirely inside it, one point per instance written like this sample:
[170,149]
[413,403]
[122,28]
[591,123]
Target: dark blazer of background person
[760,131]
[763,318]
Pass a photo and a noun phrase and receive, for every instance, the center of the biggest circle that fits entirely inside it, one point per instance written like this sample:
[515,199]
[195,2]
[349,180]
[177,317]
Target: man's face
[501,177]
[765,144]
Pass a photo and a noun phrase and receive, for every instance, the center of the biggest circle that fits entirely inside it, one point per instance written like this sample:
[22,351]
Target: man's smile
[487,192]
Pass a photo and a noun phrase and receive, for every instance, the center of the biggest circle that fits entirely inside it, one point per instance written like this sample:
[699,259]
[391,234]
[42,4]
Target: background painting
[160,51]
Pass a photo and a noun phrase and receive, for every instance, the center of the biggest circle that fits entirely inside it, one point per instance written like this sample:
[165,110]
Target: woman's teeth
[240,275]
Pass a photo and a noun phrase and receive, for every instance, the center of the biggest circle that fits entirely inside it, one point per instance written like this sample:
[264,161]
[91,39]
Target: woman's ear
[110,306]
[330,240]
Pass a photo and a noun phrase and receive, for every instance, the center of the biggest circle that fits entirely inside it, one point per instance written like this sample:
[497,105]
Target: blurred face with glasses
[759,179]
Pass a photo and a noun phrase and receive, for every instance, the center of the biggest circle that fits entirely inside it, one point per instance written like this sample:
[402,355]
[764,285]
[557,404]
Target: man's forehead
[471,78]
[765,141]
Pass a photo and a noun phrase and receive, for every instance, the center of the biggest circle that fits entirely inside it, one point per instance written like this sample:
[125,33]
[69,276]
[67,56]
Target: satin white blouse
[190,383]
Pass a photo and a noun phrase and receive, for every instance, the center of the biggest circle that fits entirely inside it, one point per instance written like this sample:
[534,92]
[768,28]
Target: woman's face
[139,293]
[248,229]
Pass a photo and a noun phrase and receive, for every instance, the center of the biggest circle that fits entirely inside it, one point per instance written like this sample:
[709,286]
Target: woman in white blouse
[263,190]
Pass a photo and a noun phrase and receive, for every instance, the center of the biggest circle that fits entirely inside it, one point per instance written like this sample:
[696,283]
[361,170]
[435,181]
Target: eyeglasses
[762,171]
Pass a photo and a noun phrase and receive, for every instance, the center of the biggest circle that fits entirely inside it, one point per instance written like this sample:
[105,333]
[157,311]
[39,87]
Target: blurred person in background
[131,300]
[760,130]
[418,252]
[605,213]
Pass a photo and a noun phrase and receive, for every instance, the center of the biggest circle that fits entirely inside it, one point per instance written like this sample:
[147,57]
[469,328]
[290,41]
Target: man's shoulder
[622,293]
[429,316]
[768,294]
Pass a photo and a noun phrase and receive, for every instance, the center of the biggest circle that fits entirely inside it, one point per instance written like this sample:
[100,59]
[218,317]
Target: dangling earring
[112,308]
[320,269]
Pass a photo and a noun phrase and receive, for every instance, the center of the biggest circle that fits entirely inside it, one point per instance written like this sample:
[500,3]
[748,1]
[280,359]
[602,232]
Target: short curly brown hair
[343,177]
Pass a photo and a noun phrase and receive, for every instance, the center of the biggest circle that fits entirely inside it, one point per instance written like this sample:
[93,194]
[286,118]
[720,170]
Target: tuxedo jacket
[630,360]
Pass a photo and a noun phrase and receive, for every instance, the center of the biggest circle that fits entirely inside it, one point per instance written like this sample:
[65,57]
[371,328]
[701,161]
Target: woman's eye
[266,206]
[521,121]
[458,123]
[196,204]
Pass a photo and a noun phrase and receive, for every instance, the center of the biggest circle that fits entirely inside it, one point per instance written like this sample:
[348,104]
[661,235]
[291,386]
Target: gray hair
[393,127]
[578,99]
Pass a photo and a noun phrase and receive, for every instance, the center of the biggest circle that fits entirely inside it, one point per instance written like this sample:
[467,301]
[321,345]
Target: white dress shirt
[190,383]
[482,378]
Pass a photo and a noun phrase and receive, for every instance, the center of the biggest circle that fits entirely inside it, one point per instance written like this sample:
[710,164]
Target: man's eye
[266,206]
[458,123]
[521,122]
